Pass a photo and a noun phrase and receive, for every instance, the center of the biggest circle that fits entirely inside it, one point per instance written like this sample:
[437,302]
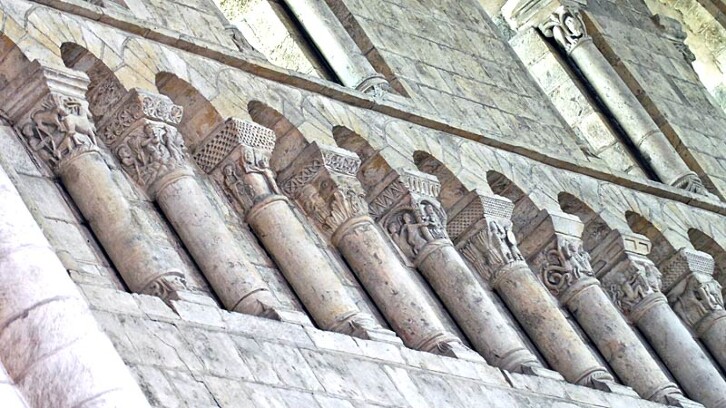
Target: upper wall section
[450,59]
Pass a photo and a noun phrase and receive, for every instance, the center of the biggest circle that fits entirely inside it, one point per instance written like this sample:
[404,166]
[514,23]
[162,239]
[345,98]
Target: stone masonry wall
[192,353]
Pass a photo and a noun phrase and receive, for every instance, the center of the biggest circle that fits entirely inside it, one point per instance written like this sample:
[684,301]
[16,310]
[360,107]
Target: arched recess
[105,90]
[705,243]
[200,116]
[525,209]
[374,167]
[662,248]
[452,190]
[597,225]
[290,140]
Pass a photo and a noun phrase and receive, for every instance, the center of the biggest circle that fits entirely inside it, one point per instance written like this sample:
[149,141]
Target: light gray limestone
[237,154]
[322,180]
[482,231]
[50,343]
[634,284]
[552,244]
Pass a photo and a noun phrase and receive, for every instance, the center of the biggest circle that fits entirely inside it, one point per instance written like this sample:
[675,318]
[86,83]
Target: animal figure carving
[67,118]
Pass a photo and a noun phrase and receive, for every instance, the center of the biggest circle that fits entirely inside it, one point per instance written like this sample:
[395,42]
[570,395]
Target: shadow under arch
[452,190]
[704,243]
[661,249]
[105,90]
[374,167]
[596,227]
[13,61]
[525,210]
[290,141]
[200,116]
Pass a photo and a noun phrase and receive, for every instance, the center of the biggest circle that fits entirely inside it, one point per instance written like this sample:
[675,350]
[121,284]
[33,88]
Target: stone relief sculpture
[695,297]
[62,128]
[567,263]
[632,286]
[152,152]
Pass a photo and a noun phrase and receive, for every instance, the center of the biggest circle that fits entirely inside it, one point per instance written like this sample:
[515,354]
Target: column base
[614,388]
[539,371]
[458,350]
[681,401]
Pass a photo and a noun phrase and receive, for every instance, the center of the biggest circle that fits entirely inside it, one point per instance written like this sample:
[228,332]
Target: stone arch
[662,247]
[525,208]
[200,116]
[290,140]
[13,61]
[374,167]
[105,89]
[704,243]
[596,226]
[452,189]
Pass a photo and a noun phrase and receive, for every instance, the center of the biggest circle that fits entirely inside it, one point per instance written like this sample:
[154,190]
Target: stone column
[237,156]
[565,25]
[48,106]
[336,46]
[553,246]
[50,343]
[634,284]
[484,236]
[404,204]
[141,132]
[322,180]
[696,297]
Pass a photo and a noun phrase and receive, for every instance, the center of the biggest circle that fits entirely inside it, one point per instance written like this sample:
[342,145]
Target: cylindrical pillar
[553,246]
[211,244]
[237,155]
[141,132]
[545,324]
[680,352]
[565,25]
[50,109]
[473,309]
[322,180]
[336,45]
[391,286]
[695,296]
[50,343]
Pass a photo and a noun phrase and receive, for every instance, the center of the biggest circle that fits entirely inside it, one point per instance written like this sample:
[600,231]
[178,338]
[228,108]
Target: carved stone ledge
[50,110]
[323,180]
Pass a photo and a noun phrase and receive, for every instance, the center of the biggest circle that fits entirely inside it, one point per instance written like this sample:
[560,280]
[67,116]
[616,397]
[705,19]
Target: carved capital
[631,280]
[553,245]
[142,133]
[481,228]
[138,106]
[566,26]
[49,108]
[166,287]
[322,179]
[237,154]
[689,284]
[405,204]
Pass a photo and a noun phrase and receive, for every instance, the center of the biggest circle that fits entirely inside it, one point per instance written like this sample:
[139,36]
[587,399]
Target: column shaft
[391,286]
[306,267]
[714,337]
[681,354]
[473,309]
[213,247]
[50,343]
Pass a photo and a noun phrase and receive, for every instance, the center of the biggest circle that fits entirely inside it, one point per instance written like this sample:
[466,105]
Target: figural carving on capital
[690,286]
[566,26]
[633,286]
[323,180]
[566,264]
[142,133]
[237,154]
[405,204]
[49,109]
[481,228]
[60,129]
